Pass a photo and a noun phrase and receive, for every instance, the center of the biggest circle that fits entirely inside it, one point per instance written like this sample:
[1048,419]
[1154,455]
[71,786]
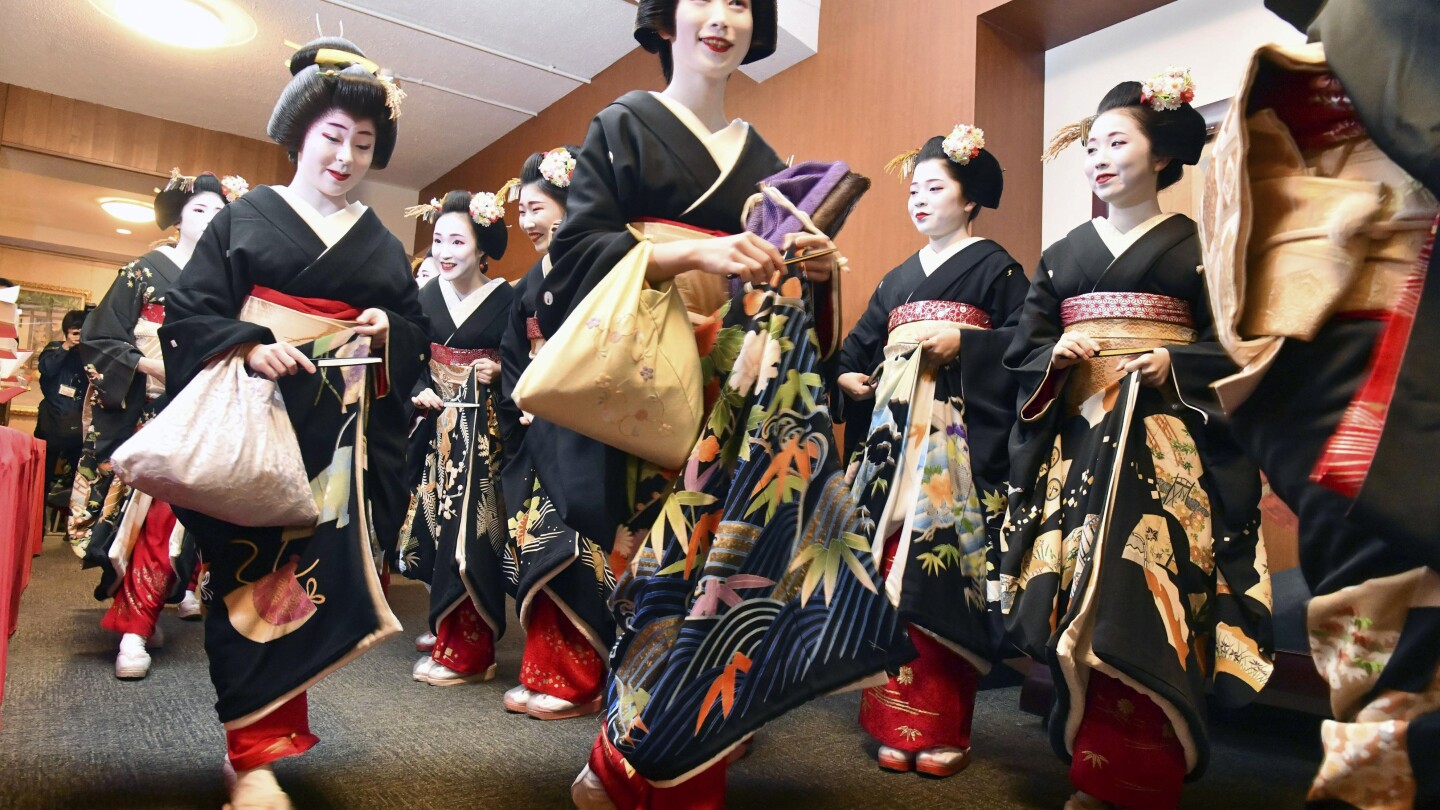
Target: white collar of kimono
[930,259]
[330,229]
[173,254]
[724,146]
[1118,242]
[545,266]
[461,308]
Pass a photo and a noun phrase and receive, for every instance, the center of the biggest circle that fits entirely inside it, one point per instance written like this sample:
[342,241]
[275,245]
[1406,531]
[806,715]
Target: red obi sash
[154,313]
[324,307]
[448,356]
[1133,305]
[952,311]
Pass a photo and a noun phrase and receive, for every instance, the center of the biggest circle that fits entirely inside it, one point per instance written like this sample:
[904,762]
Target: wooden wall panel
[91,132]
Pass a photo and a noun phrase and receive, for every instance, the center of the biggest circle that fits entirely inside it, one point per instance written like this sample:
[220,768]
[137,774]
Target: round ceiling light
[195,24]
[128,210]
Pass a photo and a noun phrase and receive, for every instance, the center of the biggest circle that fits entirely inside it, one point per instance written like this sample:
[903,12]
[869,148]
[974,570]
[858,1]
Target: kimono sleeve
[201,309]
[987,386]
[594,236]
[1028,359]
[514,359]
[407,348]
[862,347]
[1195,366]
[107,340]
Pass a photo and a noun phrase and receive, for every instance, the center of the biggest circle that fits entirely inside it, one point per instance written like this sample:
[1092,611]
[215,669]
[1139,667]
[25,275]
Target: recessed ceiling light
[124,231]
[128,210]
[195,24]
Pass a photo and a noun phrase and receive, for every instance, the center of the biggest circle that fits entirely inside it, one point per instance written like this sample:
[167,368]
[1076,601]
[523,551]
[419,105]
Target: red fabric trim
[952,311]
[685,225]
[148,578]
[154,313]
[630,791]
[324,307]
[282,733]
[463,641]
[532,329]
[559,661]
[1345,462]
[448,356]
[1125,751]
[1141,306]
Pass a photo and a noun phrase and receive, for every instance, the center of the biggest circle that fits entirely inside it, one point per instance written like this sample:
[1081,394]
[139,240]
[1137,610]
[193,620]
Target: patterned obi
[450,367]
[532,329]
[913,322]
[147,340]
[1120,321]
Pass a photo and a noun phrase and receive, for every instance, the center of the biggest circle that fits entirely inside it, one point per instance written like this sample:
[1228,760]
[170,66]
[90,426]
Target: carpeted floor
[75,737]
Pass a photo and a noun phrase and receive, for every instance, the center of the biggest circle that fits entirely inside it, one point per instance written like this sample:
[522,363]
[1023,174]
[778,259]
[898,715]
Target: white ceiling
[68,48]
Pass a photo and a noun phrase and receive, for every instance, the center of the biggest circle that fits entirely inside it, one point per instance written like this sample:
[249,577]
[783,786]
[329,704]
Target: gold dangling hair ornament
[1066,135]
[903,163]
[510,192]
[426,211]
[184,182]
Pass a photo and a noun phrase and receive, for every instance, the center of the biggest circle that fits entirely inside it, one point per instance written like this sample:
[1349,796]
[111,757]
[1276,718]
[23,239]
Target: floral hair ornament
[964,143]
[234,187]
[557,167]
[1168,90]
[337,60]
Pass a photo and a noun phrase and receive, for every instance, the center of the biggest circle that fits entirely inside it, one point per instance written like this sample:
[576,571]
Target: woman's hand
[1154,367]
[744,256]
[818,270]
[374,324]
[275,360]
[486,370]
[526,417]
[942,347]
[152,368]
[428,400]
[1072,348]
[857,385]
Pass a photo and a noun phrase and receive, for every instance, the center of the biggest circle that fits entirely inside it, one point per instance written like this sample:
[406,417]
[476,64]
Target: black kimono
[286,607]
[938,446]
[639,161]
[1131,546]
[121,399]
[456,539]
[550,556]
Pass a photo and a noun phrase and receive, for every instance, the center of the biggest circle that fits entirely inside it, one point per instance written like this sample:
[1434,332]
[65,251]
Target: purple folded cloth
[804,184]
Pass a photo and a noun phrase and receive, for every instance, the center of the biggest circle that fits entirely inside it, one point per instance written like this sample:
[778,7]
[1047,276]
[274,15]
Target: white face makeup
[538,215]
[453,247]
[426,271]
[1118,161]
[197,213]
[937,205]
[711,36]
[336,154]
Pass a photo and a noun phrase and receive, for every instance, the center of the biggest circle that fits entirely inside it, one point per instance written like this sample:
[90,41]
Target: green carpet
[75,737]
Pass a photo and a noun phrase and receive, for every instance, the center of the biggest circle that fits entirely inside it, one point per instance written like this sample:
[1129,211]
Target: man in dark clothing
[63,383]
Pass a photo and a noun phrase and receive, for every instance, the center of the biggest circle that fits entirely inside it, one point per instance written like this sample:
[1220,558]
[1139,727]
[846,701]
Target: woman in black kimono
[124,532]
[313,292]
[562,580]
[1131,559]
[927,352]
[672,156]
[456,539]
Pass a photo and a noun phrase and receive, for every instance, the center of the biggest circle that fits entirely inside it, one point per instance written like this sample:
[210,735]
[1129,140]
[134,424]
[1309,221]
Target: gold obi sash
[147,340]
[450,368]
[702,293]
[915,321]
[291,325]
[1123,323]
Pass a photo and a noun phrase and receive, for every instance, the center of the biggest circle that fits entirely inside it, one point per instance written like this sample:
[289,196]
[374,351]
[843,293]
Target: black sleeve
[988,388]
[514,359]
[107,340]
[863,346]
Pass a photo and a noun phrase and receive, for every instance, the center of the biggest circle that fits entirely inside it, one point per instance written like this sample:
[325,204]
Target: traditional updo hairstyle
[556,186]
[964,156]
[655,16]
[491,238]
[170,201]
[332,73]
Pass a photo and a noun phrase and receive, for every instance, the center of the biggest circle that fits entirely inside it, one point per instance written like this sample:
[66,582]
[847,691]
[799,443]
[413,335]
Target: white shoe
[588,792]
[189,607]
[517,698]
[893,759]
[133,661]
[422,668]
[425,642]
[441,675]
[548,707]
[257,790]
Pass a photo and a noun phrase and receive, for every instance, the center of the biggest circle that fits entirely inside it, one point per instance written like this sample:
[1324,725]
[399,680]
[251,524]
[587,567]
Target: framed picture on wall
[41,309]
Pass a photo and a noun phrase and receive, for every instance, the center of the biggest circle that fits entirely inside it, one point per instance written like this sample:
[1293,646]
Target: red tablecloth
[22,525]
